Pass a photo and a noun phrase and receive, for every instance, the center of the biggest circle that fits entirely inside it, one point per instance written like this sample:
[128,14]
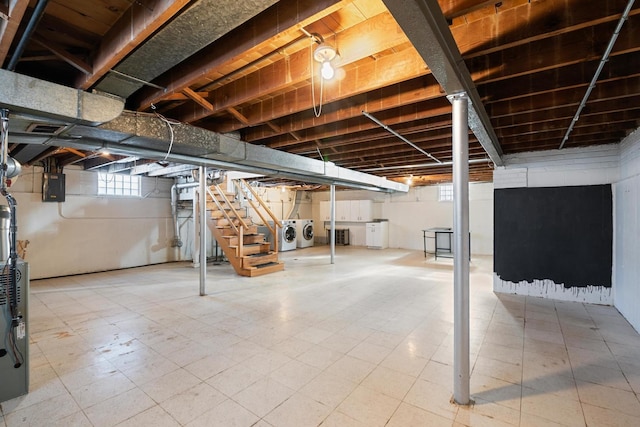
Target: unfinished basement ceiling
[245,69]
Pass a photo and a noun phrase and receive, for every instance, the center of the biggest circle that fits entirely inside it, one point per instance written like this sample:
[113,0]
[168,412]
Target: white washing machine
[287,235]
[305,233]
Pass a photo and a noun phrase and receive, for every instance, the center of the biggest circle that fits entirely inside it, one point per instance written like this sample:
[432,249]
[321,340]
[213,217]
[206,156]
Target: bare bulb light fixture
[324,54]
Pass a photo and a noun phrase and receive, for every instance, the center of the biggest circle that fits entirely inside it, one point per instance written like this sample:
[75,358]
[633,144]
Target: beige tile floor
[364,342]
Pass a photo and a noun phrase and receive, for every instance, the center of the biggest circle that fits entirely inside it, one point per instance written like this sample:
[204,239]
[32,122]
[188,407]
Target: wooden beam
[618,90]
[188,92]
[295,135]
[59,51]
[76,152]
[597,108]
[142,19]
[274,127]
[613,118]
[46,153]
[549,81]
[9,28]
[564,50]
[179,96]
[529,22]
[248,41]
[37,58]
[347,131]
[459,8]
[235,113]
[402,94]
[295,68]
[386,71]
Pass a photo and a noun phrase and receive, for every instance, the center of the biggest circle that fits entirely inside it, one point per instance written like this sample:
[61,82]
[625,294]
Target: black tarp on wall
[563,234]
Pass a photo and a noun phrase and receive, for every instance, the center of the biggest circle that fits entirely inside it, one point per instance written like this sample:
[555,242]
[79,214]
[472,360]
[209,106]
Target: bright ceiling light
[327,71]
[324,54]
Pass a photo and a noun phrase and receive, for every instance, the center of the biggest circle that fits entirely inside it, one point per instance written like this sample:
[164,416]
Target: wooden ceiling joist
[247,41]
[404,93]
[61,53]
[135,26]
[295,68]
[386,71]
[9,27]
[198,99]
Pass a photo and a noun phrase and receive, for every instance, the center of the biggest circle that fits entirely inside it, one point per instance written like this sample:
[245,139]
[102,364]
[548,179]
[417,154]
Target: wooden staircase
[245,248]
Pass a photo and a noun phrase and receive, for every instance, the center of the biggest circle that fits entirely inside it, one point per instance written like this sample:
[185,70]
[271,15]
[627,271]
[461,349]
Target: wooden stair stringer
[254,256]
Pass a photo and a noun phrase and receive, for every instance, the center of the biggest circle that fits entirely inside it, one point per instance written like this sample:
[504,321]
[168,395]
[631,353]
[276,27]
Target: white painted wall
[419,209]
[87,233]
[281,203]
[627,232]
[559,168]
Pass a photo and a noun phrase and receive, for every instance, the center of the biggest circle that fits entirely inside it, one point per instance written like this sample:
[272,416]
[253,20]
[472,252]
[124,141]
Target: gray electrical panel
[14,335]
[53,187]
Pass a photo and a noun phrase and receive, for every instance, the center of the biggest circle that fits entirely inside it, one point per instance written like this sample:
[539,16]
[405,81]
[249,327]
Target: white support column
[460,248]
[203,229]
[332,223]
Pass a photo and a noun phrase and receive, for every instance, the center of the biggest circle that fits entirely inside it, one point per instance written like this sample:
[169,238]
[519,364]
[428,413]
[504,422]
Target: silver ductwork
[93,122]
[197,27]
[46,100]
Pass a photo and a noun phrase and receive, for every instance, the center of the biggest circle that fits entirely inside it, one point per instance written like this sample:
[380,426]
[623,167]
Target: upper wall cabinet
[348,210]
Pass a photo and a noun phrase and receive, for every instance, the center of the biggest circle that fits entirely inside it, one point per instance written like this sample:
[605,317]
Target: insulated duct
[91,121]
[177,241]
[200,25]
[45,100]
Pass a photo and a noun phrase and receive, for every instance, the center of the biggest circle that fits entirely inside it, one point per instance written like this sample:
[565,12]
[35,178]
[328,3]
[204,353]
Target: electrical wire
[316,111]
[170,124]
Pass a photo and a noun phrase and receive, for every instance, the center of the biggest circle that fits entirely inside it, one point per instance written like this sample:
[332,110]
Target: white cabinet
[348,210]
[361,210]
[377,235]
[325,211]
[343,210]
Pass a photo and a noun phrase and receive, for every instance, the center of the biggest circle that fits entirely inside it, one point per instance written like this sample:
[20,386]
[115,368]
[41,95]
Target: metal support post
[332,223]
[203,229]
[461,248]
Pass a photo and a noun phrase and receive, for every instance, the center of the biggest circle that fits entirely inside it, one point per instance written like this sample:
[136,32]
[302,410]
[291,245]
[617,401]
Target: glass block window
[445,193]
[115,184]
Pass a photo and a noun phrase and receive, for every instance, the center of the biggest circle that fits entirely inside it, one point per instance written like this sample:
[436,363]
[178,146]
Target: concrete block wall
[410,213]
[87,233]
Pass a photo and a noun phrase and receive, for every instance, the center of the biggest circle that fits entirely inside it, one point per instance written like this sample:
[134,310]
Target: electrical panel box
[14,336]
[53,187]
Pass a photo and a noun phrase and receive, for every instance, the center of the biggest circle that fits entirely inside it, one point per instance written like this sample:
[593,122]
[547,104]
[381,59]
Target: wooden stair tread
[269,264]
[249,256]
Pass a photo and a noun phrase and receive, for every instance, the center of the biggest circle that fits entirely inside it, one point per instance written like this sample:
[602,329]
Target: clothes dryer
[305,233]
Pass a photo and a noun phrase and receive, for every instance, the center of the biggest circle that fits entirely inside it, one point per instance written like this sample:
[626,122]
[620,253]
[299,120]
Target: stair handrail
[262,203]
[235,212]
[224,212]
[264,219]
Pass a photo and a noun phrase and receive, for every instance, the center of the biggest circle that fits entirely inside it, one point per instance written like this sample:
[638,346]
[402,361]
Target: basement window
[445,193]
[115,184]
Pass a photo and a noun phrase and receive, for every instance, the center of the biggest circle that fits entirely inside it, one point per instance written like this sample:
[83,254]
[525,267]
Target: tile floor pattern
[364,342]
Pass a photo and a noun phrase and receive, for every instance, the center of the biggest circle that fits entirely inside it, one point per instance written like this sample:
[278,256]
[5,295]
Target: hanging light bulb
[327,71]
[324,54]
